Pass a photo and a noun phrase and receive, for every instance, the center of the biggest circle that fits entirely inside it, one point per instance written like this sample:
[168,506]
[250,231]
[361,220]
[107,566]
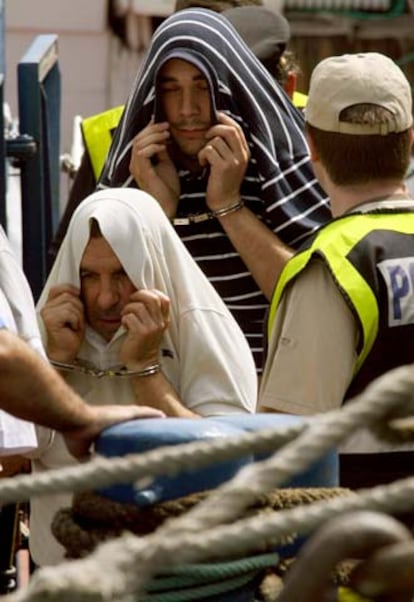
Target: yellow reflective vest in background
[97,136]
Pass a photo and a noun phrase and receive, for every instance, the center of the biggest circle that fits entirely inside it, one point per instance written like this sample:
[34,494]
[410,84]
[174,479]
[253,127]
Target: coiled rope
[120,569]
[387,400]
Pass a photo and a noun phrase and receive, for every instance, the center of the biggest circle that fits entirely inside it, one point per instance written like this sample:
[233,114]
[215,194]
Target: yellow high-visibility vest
[300,100]
[97,135]
[333,242]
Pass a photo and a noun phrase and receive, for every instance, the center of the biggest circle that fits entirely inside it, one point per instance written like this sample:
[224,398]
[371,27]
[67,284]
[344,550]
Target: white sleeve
[16,436]
[217,371]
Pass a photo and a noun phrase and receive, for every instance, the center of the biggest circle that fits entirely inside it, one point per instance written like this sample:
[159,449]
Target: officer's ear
[312,148]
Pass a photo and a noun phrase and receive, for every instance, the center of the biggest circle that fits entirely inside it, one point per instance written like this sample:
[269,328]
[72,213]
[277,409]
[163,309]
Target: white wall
[96,71]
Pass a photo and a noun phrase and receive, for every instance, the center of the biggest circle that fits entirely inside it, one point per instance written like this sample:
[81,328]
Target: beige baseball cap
[339,82]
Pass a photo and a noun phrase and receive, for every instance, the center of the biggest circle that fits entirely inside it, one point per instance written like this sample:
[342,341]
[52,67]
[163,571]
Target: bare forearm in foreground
[32,390]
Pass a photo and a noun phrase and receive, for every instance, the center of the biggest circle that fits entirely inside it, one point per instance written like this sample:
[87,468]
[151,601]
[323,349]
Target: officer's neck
[346,198]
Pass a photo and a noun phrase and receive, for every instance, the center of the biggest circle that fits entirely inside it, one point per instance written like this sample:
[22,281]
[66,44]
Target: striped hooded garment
[279,184]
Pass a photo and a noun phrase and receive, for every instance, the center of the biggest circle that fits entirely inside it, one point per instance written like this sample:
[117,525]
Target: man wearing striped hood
[218,143]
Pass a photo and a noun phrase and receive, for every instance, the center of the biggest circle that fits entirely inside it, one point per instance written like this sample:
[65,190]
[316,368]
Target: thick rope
[121,568]
[196,575]
[229,501]
[114,571]
[200,592]
[387,398]
[93,518]
[102,472]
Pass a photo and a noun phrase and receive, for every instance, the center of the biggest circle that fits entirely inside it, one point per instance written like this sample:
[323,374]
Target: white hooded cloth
[204,353]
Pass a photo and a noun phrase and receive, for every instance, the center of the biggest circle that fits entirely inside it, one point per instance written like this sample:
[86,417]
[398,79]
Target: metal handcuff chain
[88,368]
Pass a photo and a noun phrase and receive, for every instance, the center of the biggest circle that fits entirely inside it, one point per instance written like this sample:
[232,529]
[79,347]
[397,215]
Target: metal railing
[38,150]
[35,150]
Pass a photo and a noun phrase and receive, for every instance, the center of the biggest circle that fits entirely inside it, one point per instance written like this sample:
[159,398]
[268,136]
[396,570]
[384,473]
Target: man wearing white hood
[129,317]
[32,392]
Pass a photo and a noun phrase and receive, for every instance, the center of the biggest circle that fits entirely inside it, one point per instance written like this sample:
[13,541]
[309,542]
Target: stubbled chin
[190,146]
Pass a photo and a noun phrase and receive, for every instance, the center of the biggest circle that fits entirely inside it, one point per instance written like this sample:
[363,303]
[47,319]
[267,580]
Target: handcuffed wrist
[88,368]
[228,209]
[197,218]
[148,371]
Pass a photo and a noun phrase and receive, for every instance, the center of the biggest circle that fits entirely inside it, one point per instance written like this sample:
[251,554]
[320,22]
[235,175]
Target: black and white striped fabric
[279,186]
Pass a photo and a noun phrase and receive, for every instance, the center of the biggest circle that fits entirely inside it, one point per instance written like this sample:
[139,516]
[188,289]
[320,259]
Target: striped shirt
[279,184]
